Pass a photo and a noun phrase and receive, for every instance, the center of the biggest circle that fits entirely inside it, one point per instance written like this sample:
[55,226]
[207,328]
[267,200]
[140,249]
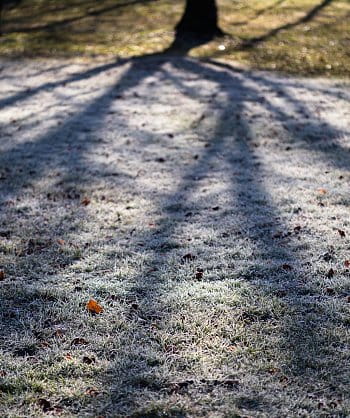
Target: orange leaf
[94,307]
[322,191]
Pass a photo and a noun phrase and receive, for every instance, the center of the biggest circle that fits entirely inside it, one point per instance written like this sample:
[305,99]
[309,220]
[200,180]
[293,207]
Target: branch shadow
[133,379]
[303,337]
[57,24]
[251,43]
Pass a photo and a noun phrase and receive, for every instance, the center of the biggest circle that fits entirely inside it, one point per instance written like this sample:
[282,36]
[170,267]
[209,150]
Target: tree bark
[200,18]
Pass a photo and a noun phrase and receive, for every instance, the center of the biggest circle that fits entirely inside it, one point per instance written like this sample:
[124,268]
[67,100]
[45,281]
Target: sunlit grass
[319,45]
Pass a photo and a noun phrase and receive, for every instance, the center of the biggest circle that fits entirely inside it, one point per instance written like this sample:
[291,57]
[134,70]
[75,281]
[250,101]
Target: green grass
[288,40]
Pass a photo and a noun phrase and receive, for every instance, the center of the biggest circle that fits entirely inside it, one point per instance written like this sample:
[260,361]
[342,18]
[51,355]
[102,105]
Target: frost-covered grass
[295,36]
[205,208]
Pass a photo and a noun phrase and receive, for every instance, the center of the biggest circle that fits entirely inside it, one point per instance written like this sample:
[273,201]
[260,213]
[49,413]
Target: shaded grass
[191,166]
[294,36]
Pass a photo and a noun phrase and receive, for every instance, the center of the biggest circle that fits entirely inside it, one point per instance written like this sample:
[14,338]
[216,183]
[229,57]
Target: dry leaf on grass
[86,201]
[330,273]
[2,275]
[93,307]
[92,392]
[79,341]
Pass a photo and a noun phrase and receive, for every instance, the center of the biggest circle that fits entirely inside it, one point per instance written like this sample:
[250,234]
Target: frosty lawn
[205,208]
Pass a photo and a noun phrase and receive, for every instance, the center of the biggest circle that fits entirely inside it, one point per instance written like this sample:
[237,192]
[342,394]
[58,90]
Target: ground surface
[205,208]
[296,36]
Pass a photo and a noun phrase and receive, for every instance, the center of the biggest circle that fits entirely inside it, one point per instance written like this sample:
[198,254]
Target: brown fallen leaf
[92,392]
[330,273]
[330,291]
[93,307]
[2,275]
[347,263]
[322,191]
[287,267]
[86,201]
[61,241]
[59,333]
[88,360]
[44,404]
[79,341]
[199,274]
[341,233]
[188,257]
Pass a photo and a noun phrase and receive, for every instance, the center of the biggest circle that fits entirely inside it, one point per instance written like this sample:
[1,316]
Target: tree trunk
[200,18]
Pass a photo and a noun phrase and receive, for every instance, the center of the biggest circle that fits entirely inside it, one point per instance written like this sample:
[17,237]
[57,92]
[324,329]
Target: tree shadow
[259,13]
[57,24]
[303,337]
[134,379]
[311,14]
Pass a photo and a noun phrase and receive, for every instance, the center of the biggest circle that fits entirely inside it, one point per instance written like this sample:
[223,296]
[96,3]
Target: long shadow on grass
[131,379]
[303,332]
[314,133]
[57,24]
[310,15]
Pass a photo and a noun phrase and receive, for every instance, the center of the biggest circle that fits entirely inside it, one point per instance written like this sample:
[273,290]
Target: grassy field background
[309,37]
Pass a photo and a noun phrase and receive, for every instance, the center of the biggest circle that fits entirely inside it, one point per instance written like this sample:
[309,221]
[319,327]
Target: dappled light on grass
[182,198]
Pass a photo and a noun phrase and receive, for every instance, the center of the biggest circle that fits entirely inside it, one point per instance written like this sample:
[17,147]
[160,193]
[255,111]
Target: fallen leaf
[287,267]
[44,404]
[2,275]
[330,291]
[330,273]
[86,201]
[88,360]
[92,392]
[199,274]
[274,370]
[297,229]
[93,307]
[61,241]
[322,191]
[188,257]
[232,348]
[79,341]
[59,333]
[347,263]
[341,233]
[68,357]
